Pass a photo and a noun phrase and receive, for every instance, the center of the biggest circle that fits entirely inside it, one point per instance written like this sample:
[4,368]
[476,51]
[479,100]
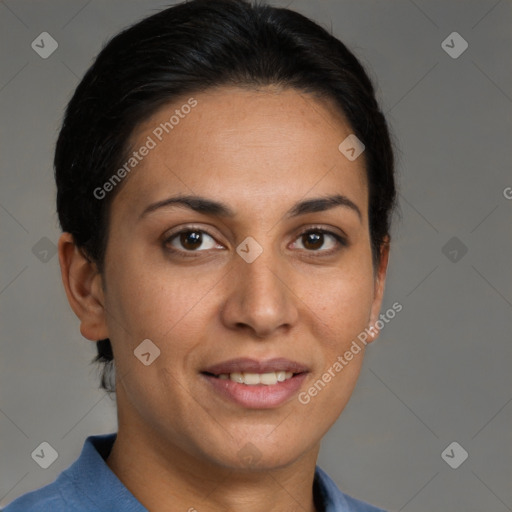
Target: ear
[84,289]
[380,281]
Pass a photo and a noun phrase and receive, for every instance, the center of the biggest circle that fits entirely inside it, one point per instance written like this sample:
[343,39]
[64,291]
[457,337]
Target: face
[265,287]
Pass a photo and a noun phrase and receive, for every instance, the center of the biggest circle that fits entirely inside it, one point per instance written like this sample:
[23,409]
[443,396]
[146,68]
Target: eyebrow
[218,209]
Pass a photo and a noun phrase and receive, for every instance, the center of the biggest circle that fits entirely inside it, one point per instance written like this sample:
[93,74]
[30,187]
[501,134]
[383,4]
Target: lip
[258,396]
[246,364]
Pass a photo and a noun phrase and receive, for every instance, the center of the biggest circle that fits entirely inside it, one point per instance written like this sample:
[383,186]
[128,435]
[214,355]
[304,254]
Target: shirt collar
[97,483]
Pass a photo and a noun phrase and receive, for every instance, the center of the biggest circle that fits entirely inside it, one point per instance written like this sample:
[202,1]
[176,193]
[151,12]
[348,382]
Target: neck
[166,477]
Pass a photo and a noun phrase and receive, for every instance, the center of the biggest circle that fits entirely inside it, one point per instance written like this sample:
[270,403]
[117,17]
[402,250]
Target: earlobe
[380,282]
[84,288]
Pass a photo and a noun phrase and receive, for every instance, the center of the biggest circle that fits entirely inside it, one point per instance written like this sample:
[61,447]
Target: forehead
[246,147]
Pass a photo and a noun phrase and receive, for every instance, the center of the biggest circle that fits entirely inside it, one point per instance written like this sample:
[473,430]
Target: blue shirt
[89,485]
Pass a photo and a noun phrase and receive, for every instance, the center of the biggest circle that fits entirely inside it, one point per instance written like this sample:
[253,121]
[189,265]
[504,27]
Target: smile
[255,384]
[253,379]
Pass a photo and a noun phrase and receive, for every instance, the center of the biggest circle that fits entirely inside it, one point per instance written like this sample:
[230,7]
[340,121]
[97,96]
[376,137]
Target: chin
[259,453]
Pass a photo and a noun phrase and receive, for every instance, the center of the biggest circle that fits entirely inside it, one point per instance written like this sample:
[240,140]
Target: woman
[225,184]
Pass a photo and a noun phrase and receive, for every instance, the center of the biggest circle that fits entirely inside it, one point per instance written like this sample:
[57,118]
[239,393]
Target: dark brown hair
[189,48]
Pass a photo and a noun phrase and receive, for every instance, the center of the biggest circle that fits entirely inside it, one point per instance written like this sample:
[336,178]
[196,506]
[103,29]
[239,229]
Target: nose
[260,296]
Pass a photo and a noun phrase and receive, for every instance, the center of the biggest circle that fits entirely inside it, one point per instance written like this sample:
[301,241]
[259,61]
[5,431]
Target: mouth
[254,379]
[256,384]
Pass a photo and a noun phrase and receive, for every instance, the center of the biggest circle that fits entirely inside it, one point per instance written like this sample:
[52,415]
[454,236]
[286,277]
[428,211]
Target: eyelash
[341,241]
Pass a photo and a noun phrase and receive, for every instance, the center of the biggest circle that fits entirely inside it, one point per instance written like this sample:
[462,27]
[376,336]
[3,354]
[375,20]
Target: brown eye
[313,240]
[190,240]
[321,241]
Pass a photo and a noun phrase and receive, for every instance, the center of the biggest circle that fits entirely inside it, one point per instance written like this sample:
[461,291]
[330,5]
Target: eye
[315,238]
[193,240]
[190,240]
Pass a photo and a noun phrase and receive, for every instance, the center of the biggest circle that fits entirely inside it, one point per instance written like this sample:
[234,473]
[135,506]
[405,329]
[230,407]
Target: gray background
[440,371]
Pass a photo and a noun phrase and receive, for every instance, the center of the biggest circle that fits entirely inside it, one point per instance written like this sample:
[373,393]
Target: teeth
[252,379]
[281,376]
[270,379]
[237,377]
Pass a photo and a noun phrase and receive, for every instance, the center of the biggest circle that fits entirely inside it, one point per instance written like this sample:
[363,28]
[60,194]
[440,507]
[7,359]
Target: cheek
[169,306]
[162,302]
[342,313]
[342,302]
[153,299]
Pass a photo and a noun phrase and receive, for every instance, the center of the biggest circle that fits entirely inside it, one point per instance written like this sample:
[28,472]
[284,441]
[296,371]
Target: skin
[260,152]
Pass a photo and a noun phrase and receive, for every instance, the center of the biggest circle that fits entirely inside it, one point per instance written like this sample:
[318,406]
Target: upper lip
[248,365]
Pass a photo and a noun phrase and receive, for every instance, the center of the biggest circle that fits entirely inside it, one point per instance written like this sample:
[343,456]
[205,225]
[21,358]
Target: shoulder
[355,505]
[46,499]
[336,501]
[62,495]
[83,487]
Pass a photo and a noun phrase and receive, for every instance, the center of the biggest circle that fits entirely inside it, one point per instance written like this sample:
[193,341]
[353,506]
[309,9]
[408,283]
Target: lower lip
[259,396]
